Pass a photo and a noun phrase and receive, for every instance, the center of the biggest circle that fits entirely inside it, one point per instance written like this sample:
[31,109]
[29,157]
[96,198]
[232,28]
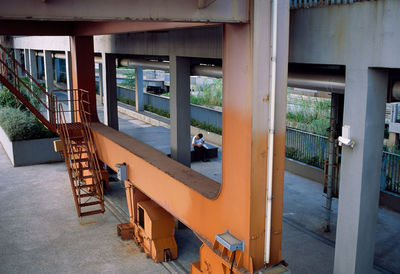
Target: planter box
[29,152]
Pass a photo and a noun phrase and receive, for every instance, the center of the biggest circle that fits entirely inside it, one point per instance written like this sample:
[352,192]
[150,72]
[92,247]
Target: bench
[212,152]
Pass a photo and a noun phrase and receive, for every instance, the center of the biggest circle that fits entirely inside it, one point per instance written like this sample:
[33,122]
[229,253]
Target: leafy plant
[127,101]
[130,79]
[22,125]
[308,113]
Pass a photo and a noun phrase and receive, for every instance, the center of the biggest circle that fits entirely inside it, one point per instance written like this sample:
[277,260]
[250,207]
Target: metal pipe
[271,130]
[322,82]
[329,83]
[396,91]
[209,71]
[143,63]
[331,159]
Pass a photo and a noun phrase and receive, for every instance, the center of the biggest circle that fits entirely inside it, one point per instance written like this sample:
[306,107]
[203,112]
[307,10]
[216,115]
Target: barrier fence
[312,149]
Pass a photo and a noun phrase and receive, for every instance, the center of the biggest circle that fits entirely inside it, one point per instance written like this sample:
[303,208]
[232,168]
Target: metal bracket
[229,241]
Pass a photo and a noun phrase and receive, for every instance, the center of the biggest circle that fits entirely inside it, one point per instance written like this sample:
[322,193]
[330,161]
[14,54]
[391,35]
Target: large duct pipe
[60,55]
[321,82]
[329,83]
[396,91]
[143,63]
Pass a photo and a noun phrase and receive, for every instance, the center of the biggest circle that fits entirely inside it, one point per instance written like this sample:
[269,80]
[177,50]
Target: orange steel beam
[197,201]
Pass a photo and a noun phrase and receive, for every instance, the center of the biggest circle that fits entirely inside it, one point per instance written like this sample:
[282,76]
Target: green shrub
[22,125]
[7,99]
[193,122]
[157,111]
[127,101]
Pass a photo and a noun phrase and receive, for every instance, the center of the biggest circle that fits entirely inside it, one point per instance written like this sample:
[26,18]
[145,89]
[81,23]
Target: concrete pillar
[101,92]
[68,78]
[180,109]
[57,67]
[110,90]
[26,59]
[364,112]
[48,74]
[33,64]
[139,89]
[18,57]
[83,76]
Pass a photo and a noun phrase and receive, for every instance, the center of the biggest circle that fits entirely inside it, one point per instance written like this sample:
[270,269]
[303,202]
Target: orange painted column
[82,70]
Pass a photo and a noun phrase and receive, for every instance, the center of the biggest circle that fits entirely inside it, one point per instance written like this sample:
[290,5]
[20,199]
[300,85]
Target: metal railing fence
[390,172]
[298,4]
[306,147]
[312,149]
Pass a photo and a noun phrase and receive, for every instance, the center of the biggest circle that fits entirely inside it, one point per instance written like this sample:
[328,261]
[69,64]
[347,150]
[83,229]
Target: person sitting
[199,147]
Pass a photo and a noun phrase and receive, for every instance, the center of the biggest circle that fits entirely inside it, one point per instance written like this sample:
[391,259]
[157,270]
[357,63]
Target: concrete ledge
[390,200]
[208,136]
[304,170]
[29,152]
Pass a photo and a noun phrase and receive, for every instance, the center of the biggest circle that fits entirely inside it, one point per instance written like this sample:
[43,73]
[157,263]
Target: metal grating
[301,4]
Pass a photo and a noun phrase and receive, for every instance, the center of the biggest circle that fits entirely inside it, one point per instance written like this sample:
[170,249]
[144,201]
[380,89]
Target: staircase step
[90,203]
[80,160]
[84,186]
[88,177]
[83,214]
[85,195]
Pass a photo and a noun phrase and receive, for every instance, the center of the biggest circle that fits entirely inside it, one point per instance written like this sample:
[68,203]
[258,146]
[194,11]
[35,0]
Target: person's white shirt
[197,142]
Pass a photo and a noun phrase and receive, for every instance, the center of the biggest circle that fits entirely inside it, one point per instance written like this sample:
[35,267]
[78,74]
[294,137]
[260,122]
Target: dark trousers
[202,152]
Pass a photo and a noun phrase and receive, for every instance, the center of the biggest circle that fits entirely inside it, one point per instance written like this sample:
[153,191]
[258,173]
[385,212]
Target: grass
[16,120]
[193,122]
[127,101]
[311,114]
[209,95]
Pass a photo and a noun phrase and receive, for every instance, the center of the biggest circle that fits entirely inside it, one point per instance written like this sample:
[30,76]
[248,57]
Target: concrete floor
[40,232]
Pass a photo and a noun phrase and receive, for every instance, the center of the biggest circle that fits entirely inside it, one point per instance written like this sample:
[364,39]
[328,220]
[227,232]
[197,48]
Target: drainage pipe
[271,130]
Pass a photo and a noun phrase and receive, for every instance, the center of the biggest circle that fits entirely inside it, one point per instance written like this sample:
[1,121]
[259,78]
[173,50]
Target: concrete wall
[199,42]
[205,42]
[29,152]
[363,33]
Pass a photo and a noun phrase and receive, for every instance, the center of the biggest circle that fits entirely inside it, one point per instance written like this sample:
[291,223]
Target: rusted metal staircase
[78,148]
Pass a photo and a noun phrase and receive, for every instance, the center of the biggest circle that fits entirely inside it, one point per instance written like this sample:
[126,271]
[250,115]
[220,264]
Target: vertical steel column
[82,67]
[180,109]
[110,90]
[139,89]
[48,72]
[364,112]
[26,59]
[18,57]
[101,82]
[331,161]
[68,77]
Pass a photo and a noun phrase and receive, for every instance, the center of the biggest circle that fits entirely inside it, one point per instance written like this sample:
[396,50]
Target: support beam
[364,112]
[48,73]
[180,109]
[68,78]
[82,67]
[139,89]
[110,91]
